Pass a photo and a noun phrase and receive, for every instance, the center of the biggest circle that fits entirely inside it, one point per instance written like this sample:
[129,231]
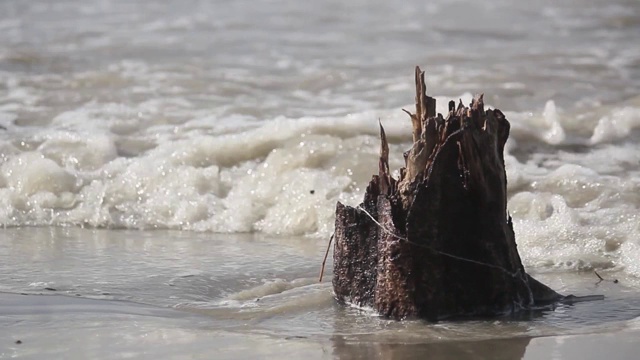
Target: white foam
[616,125]
[282,176]
[31,173]
[86,151]
[545,126]
[549,233]
[115,165]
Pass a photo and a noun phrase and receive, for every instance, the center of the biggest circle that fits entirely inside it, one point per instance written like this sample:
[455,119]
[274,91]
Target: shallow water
[180,294]
[224,117]
[156,126]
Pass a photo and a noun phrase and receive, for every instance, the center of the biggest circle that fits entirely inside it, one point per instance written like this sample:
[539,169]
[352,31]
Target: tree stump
[438,241]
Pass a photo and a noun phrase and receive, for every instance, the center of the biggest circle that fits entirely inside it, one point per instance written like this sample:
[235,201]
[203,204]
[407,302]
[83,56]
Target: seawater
[223,117]
[189,155]
[237,117]
[98,293]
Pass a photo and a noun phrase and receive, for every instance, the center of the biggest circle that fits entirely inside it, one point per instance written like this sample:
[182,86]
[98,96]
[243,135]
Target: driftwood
[438,241]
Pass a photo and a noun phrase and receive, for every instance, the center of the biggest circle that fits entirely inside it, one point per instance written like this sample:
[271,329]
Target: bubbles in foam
[281,176]
[578,185]
[78,151]
[550,233]
[575,218]
[31,173]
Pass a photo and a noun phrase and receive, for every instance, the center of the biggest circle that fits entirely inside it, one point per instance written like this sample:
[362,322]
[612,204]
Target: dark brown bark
[438,241]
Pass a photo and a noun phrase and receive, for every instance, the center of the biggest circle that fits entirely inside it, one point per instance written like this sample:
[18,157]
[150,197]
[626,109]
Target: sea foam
[116,166]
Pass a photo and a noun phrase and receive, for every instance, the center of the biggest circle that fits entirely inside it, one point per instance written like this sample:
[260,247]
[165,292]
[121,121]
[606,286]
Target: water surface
[133,134]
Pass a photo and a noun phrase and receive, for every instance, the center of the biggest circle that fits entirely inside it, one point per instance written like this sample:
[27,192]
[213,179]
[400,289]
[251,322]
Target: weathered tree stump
[437,242]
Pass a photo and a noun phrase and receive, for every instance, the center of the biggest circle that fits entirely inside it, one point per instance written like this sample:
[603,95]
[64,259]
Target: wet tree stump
[437,242]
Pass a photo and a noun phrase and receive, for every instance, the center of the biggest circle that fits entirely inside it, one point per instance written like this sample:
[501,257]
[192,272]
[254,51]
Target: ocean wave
[104,165]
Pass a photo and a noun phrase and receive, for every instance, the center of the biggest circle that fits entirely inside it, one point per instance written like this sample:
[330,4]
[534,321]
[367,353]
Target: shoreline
[116,329]
[176,295]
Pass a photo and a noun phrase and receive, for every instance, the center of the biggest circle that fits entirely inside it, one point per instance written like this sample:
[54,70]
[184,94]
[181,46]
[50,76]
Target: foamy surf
[283,176]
